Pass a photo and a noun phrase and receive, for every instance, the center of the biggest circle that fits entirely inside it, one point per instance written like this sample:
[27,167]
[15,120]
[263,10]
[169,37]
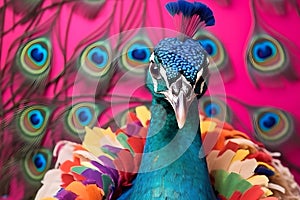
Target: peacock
[173,163]
[60,82]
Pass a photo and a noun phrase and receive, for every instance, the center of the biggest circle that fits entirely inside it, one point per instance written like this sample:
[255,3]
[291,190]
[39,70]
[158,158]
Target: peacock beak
[180,95]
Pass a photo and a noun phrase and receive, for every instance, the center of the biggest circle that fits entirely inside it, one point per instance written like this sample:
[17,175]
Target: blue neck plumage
[171,167]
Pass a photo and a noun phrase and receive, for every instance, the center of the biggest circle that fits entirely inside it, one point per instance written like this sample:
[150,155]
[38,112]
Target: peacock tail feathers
[269,55]
[70,66]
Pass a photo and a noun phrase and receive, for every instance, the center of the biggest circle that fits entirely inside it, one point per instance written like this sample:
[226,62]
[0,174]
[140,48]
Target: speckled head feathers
[181,57]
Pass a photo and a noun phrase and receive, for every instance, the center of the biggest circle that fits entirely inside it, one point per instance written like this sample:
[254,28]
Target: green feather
[122,138]
[227,183]
[79,169]
[107,182]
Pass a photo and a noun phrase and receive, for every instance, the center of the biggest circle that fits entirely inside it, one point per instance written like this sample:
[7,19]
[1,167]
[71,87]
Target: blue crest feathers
[190,16]
[205,13]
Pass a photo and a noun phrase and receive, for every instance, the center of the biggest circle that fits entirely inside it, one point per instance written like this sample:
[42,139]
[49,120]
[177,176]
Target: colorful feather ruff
[244,169]
[98,168]
[106,163]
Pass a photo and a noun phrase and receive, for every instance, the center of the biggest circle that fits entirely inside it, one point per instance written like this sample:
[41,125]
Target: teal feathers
[171,167]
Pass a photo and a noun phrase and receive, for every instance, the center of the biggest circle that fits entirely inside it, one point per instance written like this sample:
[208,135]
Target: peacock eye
[154,70]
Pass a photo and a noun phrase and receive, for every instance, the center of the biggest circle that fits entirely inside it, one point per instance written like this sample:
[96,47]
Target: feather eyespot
[272,126]
[82,115]
[215,108]
[36,163]
[139,52]
[214,48]
[266,55]
[33,120]
[96,59]
[135,54]
[34,57]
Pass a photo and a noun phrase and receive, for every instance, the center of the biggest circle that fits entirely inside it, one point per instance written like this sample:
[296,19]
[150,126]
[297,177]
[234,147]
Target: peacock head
[178,72]
[179,66]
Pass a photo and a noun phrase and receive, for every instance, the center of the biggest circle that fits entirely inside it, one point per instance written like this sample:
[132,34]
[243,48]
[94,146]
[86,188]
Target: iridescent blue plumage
[40,162]
[173,165]
[177,59]
[190,9]
[190,17]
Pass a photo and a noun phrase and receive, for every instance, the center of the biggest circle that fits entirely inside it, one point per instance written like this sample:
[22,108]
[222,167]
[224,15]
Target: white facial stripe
[199,74]
[202,87]
[155,84]
[151,59]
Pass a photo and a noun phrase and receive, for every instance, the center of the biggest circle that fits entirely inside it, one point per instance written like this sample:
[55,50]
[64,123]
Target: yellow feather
[93,141]
[267,191]
[261,180]
[208,126]
[143,114]
[241,154]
